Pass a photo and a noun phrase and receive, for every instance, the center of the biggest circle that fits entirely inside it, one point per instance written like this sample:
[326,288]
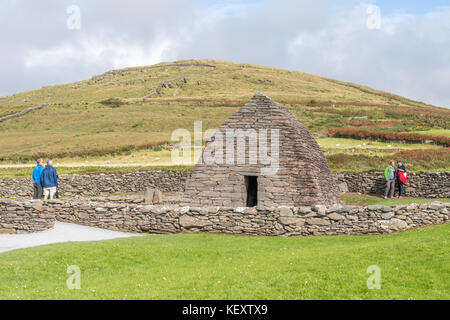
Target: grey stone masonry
[303,177]
[419,185]
[422,185]
[130,214]
[91,185]
[24,217]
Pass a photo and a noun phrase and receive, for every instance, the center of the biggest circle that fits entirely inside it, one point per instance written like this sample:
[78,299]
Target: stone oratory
[262,156]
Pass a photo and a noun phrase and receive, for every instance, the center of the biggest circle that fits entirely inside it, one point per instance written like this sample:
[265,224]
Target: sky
[397,46]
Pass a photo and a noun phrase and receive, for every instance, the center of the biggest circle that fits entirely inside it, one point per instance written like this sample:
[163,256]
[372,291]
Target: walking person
[37,186]
[389,175]
[49,180]
[402,177]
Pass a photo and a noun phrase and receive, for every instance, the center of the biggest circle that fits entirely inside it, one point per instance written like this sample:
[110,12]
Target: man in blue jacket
[37,172]
[49,180]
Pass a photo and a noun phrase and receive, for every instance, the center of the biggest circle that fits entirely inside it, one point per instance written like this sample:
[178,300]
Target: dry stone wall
[130,214]
[24,217]
[424,185]
[420,185]
[21,113]
[92,185]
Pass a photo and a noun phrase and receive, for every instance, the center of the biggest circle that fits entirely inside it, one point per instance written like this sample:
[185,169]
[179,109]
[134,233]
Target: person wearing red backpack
[402,177]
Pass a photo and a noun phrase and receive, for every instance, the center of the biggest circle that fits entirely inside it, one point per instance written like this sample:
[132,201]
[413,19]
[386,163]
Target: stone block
[387,215]
[397,224]
[336,217]
[343,187]
[299,222]
[187,222]
[317,222]
[148,196]
[157,197]
[286,212]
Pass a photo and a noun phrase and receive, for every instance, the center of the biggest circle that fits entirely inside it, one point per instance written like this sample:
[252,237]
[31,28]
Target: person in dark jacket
[401,178]
[37,186]
[49,180]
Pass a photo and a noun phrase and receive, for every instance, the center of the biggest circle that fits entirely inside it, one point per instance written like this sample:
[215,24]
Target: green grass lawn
[436,132]
[364,200]
[334,145]
[414,265]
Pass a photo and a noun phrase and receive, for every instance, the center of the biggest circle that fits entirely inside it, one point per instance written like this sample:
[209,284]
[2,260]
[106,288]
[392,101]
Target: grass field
[343,154]
[76,127]
[436,132]
[435,160]
[413,264]
[332,145]
[365,200]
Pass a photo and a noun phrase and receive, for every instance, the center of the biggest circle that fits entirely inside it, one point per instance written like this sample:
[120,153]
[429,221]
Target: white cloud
[117,54]
[408,54]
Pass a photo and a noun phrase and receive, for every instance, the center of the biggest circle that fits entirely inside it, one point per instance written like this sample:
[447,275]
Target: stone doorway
[251,185]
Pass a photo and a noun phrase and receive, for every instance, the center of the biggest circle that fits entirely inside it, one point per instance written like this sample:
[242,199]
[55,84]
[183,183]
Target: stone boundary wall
[21,113]
[91,185]
[419,185]
[24,217]
[131,215]
[424,185]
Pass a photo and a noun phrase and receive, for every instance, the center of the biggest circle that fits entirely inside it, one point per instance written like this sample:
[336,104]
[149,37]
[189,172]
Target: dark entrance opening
[251,183]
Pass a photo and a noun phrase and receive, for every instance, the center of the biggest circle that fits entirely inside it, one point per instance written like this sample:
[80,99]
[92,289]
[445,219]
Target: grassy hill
[131,112]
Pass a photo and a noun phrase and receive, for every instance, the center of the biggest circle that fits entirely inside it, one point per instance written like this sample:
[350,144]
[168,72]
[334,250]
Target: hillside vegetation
[124,111]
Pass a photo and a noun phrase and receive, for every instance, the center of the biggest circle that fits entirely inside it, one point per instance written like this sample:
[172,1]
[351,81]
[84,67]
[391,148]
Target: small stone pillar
[148,196]
[157,197]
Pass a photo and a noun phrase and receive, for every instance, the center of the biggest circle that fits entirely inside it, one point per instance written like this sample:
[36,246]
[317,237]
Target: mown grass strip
[413,264]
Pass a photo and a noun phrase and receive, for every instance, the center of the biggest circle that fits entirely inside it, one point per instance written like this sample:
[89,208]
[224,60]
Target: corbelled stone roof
[303,177]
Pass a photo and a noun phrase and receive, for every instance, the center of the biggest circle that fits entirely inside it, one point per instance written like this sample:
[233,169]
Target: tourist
[389,175]
[49,180]
[37,187]
[401,178]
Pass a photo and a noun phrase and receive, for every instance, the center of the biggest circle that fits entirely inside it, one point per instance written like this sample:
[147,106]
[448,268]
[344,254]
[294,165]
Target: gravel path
[62,232]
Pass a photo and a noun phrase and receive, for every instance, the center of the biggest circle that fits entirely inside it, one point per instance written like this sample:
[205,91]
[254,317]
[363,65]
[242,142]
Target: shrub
[388,136]
[373,124]
[415,160]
